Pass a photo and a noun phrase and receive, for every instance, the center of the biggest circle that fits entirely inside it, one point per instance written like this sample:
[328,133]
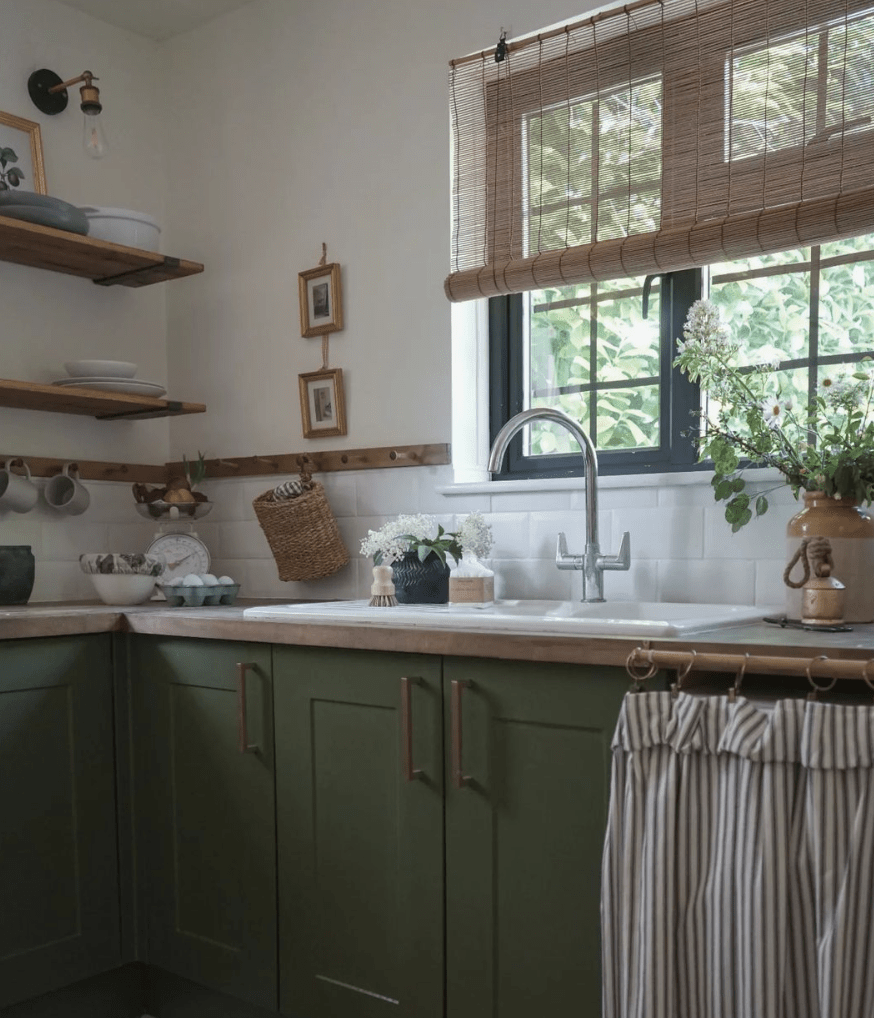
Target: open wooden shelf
[107,406]
[43,247]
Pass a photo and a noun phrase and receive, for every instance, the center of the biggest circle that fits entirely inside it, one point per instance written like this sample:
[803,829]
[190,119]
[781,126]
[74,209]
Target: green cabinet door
[59,918]
[524,835]
[360,845]
[204,811]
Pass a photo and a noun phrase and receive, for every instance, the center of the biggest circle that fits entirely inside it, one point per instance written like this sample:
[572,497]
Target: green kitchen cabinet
[527,779]
[204,812]
[59,887]
[360,823]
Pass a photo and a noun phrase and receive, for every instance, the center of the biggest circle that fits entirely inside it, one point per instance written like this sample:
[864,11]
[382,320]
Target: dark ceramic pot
[16,573]
[420,582]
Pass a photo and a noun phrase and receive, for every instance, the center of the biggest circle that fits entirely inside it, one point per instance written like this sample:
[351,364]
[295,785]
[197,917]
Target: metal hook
[867,681]
[269,462]
[812,695]
[228,463]
[635,669]
[735,689]
[683,674]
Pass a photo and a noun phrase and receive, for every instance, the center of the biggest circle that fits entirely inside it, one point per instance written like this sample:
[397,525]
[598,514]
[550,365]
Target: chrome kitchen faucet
[592,563]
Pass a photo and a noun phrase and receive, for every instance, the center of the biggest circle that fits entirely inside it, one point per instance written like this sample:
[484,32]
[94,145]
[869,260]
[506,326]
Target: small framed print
[321,302]
[322,403]
[21,166]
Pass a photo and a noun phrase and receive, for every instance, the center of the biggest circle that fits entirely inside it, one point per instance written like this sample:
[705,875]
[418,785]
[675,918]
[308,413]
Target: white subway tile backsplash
[681,547]
[759,539]
[661,533]
[707,581]
[770,588]
[511,533]
[531,502]
[67,538]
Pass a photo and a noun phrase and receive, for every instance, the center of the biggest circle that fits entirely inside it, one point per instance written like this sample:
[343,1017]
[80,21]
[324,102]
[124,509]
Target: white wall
[301,123]
[287,124]
[47,318]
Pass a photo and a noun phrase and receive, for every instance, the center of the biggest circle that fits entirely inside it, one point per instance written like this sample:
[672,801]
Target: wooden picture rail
[246,466]
[322,462]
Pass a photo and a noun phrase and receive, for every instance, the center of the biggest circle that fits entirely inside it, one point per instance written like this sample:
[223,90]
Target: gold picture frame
[321,300]
[26,155]
[322,403]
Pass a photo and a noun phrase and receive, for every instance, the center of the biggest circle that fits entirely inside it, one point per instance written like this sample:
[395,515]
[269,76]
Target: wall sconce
[49,95]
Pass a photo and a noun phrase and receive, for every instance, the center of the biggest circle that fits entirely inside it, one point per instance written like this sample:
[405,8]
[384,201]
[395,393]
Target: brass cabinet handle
[245,745]
[410,774]
[459,777]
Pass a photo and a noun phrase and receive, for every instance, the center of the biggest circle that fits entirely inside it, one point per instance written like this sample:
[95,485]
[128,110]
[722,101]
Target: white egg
[192,580]
[226,579]
[175,582]
[209,580]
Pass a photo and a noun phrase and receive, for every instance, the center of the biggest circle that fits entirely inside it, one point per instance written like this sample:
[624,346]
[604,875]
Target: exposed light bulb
[93,136]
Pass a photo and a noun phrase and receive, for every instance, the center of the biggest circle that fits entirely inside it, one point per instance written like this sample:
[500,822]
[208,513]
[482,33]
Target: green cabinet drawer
[524,835]
[204,812]
[360,845]
[59,916]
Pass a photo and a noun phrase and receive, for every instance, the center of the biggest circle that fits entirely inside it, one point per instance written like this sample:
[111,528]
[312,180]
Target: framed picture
[321,303]
[21,166]
[322,404]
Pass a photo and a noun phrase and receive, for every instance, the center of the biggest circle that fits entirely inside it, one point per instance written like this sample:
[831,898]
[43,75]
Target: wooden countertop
[227,623]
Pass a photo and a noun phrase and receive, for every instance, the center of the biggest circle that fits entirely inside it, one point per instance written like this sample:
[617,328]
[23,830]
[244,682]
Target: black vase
[16,573]
[420,582]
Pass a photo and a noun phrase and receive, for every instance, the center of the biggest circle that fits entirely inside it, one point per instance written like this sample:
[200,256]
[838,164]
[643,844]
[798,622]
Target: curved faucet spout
[592,563]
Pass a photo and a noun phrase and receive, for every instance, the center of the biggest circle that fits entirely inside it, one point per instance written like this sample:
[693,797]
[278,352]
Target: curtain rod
[819,667]
[513,47]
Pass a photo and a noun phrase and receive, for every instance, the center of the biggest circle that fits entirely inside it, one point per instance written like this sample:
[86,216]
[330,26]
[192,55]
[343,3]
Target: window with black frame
[747,134]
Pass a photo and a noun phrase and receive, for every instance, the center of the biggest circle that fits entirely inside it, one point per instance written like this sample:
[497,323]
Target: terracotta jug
[850,531]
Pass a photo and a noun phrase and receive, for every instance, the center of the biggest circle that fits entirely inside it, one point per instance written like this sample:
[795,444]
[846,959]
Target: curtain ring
[865,678]
[635,669]
[683,674]
[735,689]
[812,695]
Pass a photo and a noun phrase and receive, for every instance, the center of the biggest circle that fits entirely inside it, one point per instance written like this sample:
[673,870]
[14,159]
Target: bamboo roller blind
[661,136]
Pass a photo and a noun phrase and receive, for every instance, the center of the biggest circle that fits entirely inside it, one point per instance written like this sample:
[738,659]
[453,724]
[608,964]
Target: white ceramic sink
[567,618]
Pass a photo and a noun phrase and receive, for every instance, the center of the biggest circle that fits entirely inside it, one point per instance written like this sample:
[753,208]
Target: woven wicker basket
[302,533]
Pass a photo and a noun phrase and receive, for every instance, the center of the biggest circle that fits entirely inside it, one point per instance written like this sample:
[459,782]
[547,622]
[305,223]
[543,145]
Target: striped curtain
[738,876]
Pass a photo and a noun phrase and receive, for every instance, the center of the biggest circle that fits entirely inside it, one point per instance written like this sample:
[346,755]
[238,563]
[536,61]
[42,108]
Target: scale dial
[183,553]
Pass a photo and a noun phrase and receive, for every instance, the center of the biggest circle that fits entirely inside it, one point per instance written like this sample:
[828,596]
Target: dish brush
[382,589]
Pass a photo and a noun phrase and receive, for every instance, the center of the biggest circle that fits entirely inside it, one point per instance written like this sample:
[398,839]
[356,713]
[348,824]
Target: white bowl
[100,369]
[123,588]
[123,226]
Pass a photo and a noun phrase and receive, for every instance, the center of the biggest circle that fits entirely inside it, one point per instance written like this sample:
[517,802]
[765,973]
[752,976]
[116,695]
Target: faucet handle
[562,559]
[622,561]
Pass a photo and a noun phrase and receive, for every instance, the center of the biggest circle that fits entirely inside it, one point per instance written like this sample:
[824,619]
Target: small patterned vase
[420,582]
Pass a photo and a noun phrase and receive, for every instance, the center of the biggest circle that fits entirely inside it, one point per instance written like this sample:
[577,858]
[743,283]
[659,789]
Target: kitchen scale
[177,542]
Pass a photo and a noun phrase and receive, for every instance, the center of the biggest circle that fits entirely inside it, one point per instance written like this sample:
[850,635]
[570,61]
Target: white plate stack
[109,376]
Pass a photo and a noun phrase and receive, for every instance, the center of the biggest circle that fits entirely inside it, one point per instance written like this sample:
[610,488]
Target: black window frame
[679,399]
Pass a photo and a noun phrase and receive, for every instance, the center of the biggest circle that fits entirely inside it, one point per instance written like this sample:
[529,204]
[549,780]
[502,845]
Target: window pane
[612,387]
[849,80]
[569,203]
[846,308]
[768,97]
[768,314]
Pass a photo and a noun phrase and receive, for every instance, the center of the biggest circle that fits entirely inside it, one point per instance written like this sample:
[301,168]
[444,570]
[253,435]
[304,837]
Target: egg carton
[202,595]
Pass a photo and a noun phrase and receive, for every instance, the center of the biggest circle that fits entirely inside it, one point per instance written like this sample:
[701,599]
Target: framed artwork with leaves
[21,164]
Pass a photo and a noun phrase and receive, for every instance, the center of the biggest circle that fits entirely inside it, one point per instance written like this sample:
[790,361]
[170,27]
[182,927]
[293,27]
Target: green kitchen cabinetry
[204,812]
[508,843]
[527,778]
[59,888]
[360,822]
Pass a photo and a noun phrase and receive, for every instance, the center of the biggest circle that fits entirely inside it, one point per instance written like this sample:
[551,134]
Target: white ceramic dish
[123,226]
[126,385]
[100,370]
[121,588]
